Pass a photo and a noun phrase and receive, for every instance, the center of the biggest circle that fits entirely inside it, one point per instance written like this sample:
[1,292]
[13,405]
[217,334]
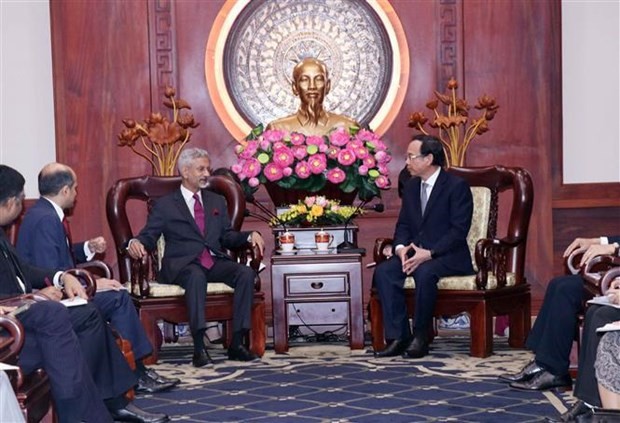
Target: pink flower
[283,157]
[250,149]
[321,201]
[363,170]
[252,168]
[299,151]
[279,144]
[355,144]
[236,168]
[383,169]
[297,138]
[339,137]
[253,182]
[302,170]
[309,201]
[332,152]
[336,175]
[264,145]
[360,152]
[382,157]
[318,163]
[366,135]
[315,140]
[346,157]
[287,171]
[369,161]
[382,182]
[273,135]
[273,172]
[323,148]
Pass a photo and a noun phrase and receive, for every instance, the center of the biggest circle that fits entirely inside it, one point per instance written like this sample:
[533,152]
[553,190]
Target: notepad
[603,300]
[609,327]
[75,301]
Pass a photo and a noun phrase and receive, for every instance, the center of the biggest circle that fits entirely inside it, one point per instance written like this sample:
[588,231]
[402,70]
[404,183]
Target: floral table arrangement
[456,128]
[351,160]
[162,138]
[315,211]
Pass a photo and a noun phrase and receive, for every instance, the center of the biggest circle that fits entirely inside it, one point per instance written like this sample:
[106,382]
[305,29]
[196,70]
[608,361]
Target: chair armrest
[12,345]
[609,277]
[571,263]
[599,272]
[97,267]
[88,279]
[492,255]
[383,249]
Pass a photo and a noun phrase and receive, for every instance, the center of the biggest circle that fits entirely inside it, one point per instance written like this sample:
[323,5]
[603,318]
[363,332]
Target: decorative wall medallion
[254,45]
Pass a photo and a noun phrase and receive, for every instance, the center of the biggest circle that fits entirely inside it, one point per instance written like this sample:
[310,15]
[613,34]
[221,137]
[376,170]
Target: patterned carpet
[330,383]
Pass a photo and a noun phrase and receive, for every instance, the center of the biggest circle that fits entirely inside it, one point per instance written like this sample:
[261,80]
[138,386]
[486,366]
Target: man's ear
[295,90]
[328,86]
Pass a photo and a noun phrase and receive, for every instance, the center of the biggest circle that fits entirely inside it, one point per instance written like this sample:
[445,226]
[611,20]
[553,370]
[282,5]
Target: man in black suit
[97,358]
[430,243]
[196,228]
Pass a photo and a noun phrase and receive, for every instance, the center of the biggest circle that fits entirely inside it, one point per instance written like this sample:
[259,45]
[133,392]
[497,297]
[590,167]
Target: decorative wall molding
[162,48]
[450,43]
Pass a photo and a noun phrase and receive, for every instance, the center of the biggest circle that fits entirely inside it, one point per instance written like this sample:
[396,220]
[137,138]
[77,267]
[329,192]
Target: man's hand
[97,245]
[73,287]
[257,240]
[596,250]
[105,284]
[6,310]
[613,294]
[135,249]
[420,255]
[580,243]
[52,293]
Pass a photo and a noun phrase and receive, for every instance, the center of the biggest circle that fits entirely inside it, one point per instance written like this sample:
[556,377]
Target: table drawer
[317,284]
[307,314]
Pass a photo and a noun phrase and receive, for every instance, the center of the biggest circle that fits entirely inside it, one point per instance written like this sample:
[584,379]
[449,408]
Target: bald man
[43,241]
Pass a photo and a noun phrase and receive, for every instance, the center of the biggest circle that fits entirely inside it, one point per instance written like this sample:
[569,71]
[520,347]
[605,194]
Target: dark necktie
[199,216]
[423,196]
[8,255]
[65,224]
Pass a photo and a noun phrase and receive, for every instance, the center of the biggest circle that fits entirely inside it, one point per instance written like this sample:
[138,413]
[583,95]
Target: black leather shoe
[543,381]
[201,359]
[131,413]
[147,385]
[151,373]
[526,373]
[580,412]
[241,353]
[393,349]
[418,348]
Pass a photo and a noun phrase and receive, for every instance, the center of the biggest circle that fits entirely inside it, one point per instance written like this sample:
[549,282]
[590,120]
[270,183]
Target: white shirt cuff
[604,240]
[56,281]
[89,254]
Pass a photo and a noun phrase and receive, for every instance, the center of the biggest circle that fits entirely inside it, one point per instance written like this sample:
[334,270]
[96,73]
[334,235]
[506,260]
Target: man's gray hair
[190,154]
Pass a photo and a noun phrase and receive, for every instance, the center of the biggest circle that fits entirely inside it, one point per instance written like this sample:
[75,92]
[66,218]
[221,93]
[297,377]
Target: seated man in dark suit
[196,227]
[430,242]
[552,335]
[45,241]
[97,349]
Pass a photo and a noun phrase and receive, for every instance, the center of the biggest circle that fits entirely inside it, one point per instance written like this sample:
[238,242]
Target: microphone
[249,197]
[347,246]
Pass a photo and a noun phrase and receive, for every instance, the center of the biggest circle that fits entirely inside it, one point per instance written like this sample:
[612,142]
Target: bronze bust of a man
[311,84]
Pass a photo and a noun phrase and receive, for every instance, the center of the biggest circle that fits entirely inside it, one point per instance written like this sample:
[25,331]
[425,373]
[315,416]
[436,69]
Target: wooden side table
[314,279]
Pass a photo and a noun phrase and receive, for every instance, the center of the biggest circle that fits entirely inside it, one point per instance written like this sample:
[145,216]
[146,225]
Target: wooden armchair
[156,301]
[32,390]
[499,286]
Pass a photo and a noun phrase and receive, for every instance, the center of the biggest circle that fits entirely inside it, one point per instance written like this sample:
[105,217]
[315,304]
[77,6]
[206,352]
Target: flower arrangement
[315,211]
[454,131]
[351,159]
[162,139]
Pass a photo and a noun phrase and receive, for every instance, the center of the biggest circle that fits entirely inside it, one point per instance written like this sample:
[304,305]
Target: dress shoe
[151,373]
[394,348]
[241,353]
[147,385]
[526,373]
[418,348]
[579,412]
[201,359]
[543,381]
[131,413]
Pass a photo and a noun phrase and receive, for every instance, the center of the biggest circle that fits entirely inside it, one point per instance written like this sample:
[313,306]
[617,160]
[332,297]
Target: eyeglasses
[411,157]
